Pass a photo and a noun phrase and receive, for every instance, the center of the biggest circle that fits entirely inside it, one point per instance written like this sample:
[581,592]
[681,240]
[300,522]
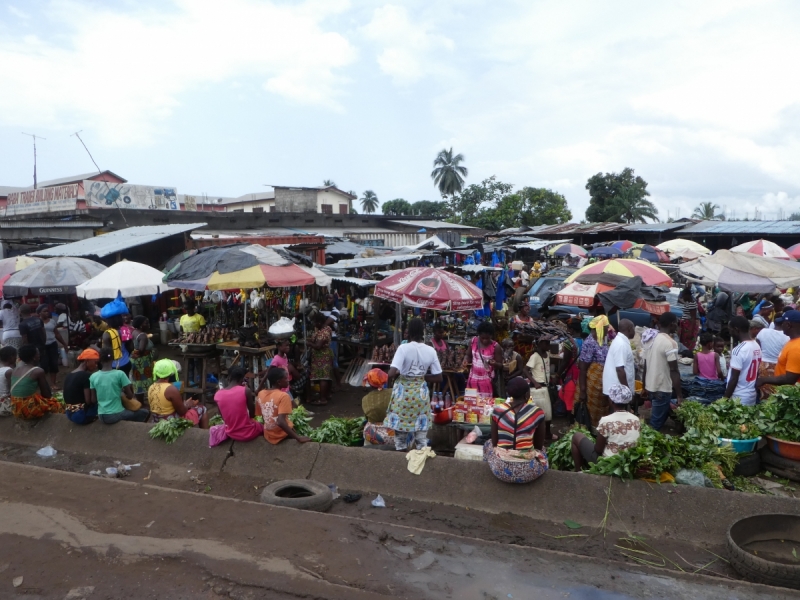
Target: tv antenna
[35,184]
[77,135]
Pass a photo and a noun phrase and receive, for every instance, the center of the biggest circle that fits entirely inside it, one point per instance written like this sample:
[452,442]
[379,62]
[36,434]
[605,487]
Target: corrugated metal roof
[117,241]
[74,179]
[432,224]
[49,223]
[374,261]
[744,228]
[5,190]
[655,227]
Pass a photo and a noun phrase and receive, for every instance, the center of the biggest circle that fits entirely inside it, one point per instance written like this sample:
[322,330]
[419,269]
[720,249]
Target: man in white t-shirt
[771,341]
[661,377]
[745,363]
[619,366]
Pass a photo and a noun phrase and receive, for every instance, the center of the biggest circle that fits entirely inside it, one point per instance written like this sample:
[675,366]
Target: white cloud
[17,12]
[410,50]
[124,73]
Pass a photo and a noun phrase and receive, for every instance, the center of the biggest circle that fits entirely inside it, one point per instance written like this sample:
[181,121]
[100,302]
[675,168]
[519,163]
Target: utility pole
[77,135]
[35,184]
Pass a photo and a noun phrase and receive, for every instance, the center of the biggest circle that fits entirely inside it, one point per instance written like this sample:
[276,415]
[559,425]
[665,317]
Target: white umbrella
[125,278]
[678,244]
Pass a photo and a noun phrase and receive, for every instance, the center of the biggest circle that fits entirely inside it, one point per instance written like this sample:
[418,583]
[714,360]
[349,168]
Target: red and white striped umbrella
[763,248]
[424,287]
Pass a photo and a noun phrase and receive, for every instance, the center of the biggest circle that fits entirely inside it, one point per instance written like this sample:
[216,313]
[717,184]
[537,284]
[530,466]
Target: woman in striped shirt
[516,451]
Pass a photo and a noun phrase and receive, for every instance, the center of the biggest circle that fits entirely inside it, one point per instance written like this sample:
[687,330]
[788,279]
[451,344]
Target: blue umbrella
[606,252]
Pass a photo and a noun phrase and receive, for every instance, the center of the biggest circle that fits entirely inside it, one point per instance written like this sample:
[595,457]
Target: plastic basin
[740,446]
[790,450]
[444,417]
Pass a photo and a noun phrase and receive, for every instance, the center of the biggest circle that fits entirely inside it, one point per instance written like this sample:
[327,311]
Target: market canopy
[743,272]
[763,248]
[650,253]
[125,278]
[793,250]
[617,269]
[60,275]
[426,287]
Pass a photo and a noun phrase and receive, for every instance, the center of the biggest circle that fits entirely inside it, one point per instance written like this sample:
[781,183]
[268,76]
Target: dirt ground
[73,536]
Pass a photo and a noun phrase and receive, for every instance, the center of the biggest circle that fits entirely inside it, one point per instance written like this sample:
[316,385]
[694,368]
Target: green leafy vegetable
[725,418]
[559,453]
[216,420]
[781,414]
[335,430]
[301,421]
[170,429]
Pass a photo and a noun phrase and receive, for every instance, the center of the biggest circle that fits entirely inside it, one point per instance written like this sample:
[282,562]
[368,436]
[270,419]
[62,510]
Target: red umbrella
[623,245]
[425,287]
[794,251]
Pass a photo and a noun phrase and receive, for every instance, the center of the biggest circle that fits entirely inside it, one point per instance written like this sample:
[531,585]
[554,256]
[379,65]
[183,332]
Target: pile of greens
[725,418]
[559,453]
[301,421]
[344,432]
[170,429]
[781,414]
[216,420]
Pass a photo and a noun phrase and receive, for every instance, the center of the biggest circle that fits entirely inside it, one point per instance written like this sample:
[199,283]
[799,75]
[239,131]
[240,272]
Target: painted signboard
[101,194]
[43,200]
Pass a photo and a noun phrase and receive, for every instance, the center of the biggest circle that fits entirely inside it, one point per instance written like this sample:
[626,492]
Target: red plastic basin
[790,450]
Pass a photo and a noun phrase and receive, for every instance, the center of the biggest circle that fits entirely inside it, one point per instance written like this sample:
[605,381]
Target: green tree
[435,209]
[448,173]
[369,202]
[329,183]
[468,205]
[707,211]
[542,206]
[620,197]
[396,208]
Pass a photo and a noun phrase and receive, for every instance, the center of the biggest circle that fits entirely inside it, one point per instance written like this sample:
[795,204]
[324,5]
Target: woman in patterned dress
[410,407]
[321,359]
[485,356]
[142,358]
[591,362]
[516,451]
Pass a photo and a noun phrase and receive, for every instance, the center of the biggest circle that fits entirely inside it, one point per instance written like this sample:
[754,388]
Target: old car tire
[757,569]
[302,494]
[768,457]
[749,465]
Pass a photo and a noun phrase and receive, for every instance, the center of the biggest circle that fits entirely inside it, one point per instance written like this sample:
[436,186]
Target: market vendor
[764,314]
[437,341]
[515,452]
[787,371]
[275,406]
[616,432]
[165,398]
[375,403]
[537,374]
[660,373]
[77,392]
[591,363]
[484,357]
[414,366]
[31,397]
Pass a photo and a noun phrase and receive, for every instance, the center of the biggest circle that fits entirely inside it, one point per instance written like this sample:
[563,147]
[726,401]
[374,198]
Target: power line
[35,183]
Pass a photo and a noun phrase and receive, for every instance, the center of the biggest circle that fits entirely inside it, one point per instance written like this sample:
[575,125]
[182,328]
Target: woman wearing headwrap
[165,398]
[591,362]
[375,404]
[516,451]
[77,393]
[616,432]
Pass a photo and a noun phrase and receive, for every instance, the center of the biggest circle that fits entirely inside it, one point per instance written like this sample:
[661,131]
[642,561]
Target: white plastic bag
[47,452]
[379,502]
[282,327]
[473,435]
[64,357]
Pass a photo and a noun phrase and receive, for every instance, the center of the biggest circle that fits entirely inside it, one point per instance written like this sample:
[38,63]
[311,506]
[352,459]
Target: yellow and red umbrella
[621,267]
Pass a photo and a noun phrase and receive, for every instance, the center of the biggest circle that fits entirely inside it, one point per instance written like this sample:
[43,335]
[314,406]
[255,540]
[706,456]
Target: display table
[202,355]
[254,360]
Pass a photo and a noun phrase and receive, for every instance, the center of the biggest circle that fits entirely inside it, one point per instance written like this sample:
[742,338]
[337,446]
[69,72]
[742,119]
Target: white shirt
[10,318]
[746,358]
[772,342]
[619,355]
[414,359]
[621,429]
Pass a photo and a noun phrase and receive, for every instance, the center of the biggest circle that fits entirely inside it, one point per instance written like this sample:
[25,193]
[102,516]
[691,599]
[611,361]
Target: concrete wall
[334,199]
[698,515]
[295,200]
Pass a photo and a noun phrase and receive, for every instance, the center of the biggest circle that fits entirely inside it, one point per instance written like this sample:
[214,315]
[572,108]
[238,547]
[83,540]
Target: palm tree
[632,206]
[369,203]
[329,183]
[448,174]
[707,211]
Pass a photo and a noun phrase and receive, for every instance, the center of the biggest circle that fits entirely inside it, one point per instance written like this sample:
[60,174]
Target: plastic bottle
[448,400]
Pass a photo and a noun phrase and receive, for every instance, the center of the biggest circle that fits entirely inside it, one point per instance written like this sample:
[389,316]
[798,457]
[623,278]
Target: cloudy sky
[702,99]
